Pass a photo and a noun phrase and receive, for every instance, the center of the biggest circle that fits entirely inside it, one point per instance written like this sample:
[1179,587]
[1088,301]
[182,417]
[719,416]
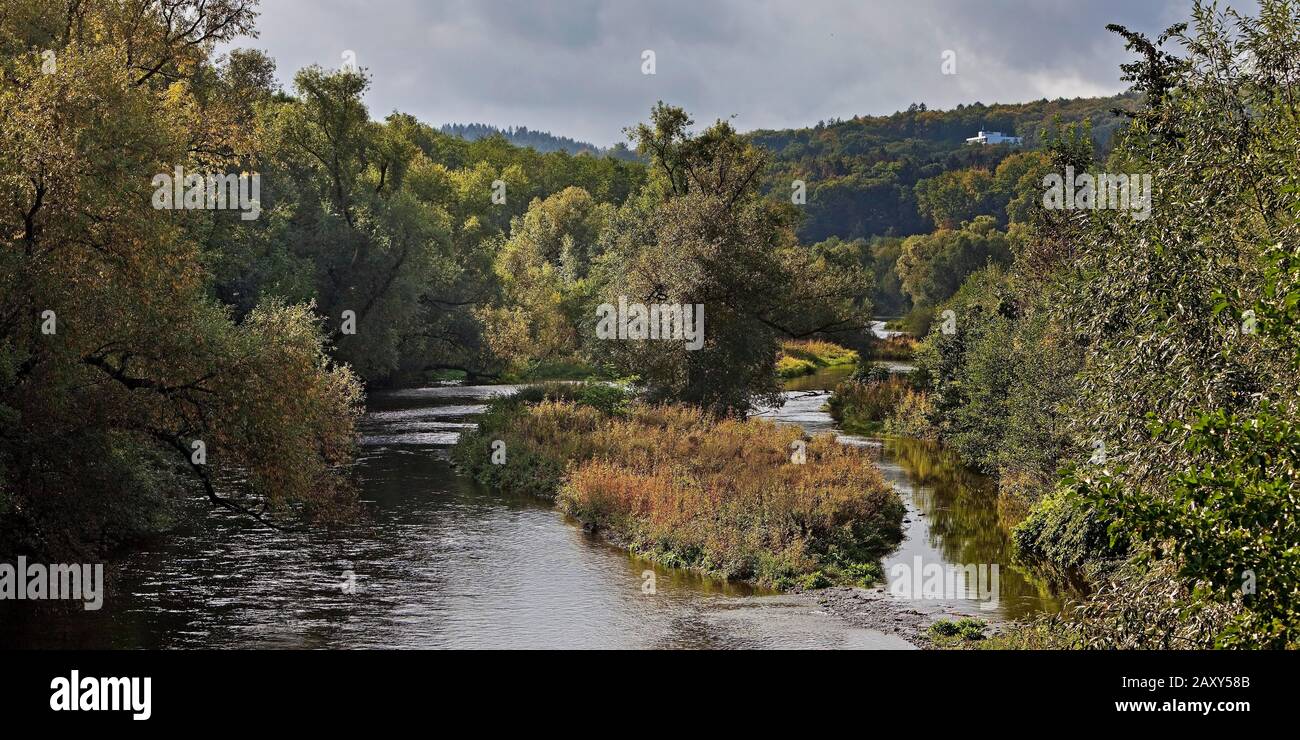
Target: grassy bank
[678,486]
[807,356]
[898,348]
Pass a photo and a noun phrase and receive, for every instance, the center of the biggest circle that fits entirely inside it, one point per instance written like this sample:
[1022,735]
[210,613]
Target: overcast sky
[573,67]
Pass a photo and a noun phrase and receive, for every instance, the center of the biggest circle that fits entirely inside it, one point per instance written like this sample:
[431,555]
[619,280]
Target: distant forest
[861,173]
[542,141]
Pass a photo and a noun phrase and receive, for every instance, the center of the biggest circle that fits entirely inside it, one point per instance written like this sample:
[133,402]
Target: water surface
[437,562]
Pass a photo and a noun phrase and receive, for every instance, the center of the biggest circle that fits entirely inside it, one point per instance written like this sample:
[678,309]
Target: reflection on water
[954,520]
[820,379]
[437,562]
[952,511]
[442,562]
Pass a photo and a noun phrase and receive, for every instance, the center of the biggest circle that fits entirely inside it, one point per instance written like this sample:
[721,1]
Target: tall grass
[687,489]
[900,347]
[805,356]
[863,404]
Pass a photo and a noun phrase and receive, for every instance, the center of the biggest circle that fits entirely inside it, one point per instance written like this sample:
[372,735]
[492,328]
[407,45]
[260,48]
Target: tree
[700,234]
[933,266]
[957,196]
[116,364]
[543,271]
[1186,321]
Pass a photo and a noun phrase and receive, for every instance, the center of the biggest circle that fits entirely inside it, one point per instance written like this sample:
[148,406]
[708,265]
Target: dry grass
[901,347]
[723,496]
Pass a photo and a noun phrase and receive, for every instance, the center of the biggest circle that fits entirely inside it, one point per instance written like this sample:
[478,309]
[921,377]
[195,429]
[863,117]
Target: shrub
[912,417]
[965,628]
[1066,540]
[863,405]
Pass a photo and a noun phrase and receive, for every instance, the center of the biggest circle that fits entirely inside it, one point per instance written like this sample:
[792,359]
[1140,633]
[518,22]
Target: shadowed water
[437,562]
[952,516]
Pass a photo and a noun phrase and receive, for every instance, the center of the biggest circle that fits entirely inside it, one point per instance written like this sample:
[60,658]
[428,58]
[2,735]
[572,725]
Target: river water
[440,561]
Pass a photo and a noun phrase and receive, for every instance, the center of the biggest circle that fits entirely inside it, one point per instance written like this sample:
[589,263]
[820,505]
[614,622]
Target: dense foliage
[133,333]
[115,357]
[1153,358]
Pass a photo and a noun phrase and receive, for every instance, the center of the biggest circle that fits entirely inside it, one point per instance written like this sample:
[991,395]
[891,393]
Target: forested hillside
[860,173]
[542,141]
[1126,369]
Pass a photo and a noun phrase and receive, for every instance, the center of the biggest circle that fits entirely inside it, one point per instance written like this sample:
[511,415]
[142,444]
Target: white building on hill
[994,137]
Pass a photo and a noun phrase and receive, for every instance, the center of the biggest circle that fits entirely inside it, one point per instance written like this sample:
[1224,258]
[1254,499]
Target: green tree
[933,266]
[543,271]
[700,233]
[115,360]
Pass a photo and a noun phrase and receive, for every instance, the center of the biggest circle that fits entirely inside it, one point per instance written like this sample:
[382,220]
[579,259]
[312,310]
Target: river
[439,561]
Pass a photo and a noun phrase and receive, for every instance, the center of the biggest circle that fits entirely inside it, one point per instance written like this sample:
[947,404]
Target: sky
[575,67]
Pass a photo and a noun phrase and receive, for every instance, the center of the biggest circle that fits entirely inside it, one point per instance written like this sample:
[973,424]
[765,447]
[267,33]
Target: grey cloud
[573,66]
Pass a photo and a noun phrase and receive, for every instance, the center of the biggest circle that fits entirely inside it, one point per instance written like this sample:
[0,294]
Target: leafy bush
[966,628]
[1066,539]
[1231,519]
[912,417]
[609,399]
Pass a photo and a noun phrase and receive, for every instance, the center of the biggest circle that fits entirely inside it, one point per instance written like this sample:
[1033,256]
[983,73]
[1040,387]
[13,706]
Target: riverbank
[800,357]
[952,520]
[436,561]
[876,609]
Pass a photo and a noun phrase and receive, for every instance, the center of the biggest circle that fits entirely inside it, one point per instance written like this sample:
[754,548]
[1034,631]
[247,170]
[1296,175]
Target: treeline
[394,222]
[152,346]
[1130,380]
[873,182]
[542,141]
